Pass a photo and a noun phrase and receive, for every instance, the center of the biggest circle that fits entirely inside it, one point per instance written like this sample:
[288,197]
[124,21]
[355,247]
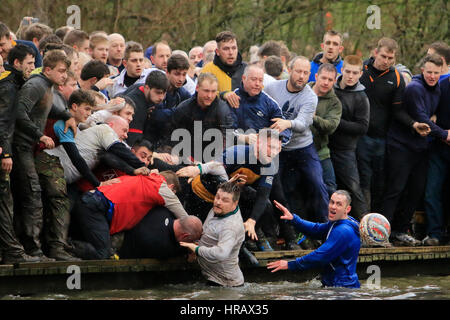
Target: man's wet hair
[157,80]
[94,68]
[177,62]
[231,187]
[143,143]
[20,52]
[81,96]
[346,194]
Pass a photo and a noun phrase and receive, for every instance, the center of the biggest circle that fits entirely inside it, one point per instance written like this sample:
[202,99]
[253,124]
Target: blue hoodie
[337,256]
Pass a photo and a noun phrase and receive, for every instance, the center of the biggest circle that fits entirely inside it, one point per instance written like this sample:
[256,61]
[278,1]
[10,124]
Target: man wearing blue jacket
[408,152]
[338,255]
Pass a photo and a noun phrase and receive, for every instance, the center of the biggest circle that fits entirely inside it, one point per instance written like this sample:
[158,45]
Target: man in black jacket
[146,97]
[33,105]
[21,63]
[353,125]
[199,114]
[384,88]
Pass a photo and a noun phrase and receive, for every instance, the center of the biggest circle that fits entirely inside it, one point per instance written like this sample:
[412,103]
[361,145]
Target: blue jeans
[304,165]
[329,177]
[347,177]
[370,154]
[437,173]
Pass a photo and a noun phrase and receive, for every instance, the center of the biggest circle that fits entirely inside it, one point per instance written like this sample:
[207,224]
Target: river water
[405,288]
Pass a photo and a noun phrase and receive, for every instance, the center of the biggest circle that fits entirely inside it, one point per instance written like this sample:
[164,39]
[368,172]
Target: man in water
[338,255]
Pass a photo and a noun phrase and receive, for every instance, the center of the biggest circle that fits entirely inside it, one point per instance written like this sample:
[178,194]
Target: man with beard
[227,66]
[298,103]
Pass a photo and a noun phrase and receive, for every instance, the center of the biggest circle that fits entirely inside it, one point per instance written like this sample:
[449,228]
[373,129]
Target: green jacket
[325,121]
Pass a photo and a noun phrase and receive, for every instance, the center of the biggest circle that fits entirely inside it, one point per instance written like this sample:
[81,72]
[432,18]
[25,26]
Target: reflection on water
[408,288]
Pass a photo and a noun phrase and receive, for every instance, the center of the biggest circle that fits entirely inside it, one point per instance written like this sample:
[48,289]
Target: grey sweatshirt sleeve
[304,117]
[222,250]
[171,201]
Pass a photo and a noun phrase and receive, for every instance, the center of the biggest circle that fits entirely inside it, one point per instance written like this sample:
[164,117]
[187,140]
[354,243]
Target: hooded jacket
[316,63]
[421,102]
[325,121]
[355,116]
[337,256]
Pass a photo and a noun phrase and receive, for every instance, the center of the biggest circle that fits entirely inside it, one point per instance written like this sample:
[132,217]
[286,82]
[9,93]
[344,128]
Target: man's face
[58,74]
[68,88]
[351,74]
[268,149]
[116,49]
[134,64]
[84,47]
[227,51]
[331,47]
[121,128]
[223,202]
[26,66]
[177,77]
[127,113]
[143,154]
[195,56]
[100,52]
[299,74]
[384,59]
[81,112]
[338,208]
[253,81]
[160,58]
[5,46]
[431,51]
[206,93]
[153,95]
[431,73]
[325,81]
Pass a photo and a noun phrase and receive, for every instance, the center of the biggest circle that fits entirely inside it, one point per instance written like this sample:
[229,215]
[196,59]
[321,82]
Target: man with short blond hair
[99,47]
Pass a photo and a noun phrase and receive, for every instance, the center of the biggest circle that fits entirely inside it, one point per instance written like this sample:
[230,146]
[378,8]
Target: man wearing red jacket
[119,207]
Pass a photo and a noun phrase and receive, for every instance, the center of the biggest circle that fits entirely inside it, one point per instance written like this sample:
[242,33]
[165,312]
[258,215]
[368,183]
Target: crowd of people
[91,169]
